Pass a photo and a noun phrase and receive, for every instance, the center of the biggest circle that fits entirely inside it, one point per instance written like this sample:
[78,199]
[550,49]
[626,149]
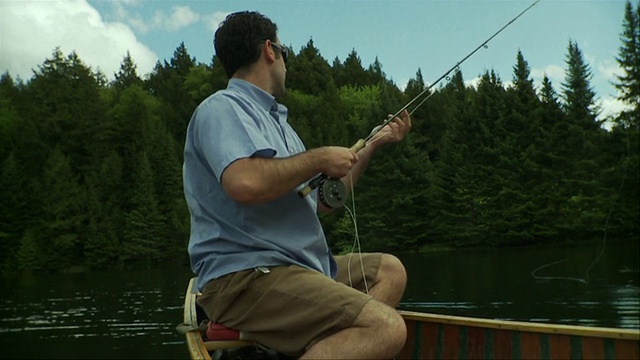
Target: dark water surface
[133,314]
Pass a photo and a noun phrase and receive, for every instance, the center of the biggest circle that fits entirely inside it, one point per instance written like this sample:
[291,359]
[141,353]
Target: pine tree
[528,154]
[63,214]
[578,94]
[127,75]
[14,210]
[553,162]
[104,208]
[624,141]
[628,57]
[582,138]
[308,72]
[142,238]
[351,72]
[219,77]
[167,84]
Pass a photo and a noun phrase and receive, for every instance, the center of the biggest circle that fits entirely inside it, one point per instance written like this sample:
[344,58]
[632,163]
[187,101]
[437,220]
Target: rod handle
[314,183]
[305,191]
[359,145]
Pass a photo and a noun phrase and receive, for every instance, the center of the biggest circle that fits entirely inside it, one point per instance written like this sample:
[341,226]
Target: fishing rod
[332,192]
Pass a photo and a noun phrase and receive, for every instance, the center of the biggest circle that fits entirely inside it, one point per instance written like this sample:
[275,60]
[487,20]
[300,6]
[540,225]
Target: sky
[403,35]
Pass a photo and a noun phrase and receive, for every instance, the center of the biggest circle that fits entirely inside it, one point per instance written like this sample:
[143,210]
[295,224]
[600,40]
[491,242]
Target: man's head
[239,38]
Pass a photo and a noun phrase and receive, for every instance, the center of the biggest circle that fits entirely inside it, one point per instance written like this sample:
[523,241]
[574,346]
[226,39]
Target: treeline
[91,168]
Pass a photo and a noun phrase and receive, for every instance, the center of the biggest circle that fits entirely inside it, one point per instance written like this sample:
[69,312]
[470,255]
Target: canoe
[433,336]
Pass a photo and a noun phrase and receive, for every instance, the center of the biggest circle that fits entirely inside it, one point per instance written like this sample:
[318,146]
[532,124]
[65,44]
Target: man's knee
[392,269]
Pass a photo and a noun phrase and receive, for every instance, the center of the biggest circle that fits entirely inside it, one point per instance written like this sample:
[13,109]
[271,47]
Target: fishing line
[585,280]
[333,185]
[356,240]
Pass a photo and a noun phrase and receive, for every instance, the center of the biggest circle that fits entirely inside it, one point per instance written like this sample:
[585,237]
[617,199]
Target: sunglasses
[283,50]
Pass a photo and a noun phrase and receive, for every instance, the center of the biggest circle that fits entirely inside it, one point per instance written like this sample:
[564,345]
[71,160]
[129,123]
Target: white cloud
[473,82]
[214,20]
[555,73]
[611,107]
[609,70]
[179,18]
[31,30]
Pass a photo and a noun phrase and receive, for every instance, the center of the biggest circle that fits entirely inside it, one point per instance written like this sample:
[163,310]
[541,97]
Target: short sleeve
[226,132]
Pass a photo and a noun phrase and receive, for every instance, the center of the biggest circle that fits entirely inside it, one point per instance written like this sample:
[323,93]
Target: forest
[91,168]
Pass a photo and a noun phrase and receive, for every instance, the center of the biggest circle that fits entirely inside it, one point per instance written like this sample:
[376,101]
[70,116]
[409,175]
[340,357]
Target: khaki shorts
[288,307]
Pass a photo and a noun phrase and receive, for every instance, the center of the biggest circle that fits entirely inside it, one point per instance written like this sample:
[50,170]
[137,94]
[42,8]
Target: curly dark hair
[238,38]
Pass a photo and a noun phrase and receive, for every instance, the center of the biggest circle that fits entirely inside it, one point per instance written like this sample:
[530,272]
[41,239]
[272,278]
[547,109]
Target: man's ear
[268,53]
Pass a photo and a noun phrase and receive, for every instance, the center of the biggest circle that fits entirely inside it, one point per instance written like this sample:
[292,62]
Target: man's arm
[258,180]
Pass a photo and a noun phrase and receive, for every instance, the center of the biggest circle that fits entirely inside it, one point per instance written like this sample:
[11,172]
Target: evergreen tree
[199,83]
[308,72]
[171,206]
[351,72]
[552,163]
[583,207]
[63,220]
[68,119]
[219,77]
[142,238]
[167,83]
[628,57]
[578,94]
[624,140]
[529,154]
[104,209]
[127,75]
[14,210]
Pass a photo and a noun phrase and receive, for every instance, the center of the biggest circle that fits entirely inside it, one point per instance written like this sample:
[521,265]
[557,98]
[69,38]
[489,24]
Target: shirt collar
[266,100]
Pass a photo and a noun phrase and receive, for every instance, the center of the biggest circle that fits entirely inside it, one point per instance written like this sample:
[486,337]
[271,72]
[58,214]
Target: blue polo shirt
[244,121]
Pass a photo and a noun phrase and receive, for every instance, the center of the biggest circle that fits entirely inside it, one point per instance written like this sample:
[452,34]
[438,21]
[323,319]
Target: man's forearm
[258,180]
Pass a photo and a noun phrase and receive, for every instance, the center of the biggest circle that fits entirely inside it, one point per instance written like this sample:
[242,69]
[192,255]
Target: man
[258,249]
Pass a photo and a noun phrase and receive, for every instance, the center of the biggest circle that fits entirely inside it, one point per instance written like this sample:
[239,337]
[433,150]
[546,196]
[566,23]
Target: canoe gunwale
[545,328]
[195,342]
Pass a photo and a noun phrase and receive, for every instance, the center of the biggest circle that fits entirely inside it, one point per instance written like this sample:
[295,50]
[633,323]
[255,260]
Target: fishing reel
[332,192]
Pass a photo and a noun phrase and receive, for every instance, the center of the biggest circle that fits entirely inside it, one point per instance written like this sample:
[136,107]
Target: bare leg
[390,281]
[379,332]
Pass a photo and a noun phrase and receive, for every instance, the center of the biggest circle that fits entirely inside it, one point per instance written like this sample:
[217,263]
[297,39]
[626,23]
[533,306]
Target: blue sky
[403,35]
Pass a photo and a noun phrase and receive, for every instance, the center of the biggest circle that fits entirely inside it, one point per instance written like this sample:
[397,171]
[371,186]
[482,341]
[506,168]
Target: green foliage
[91,170]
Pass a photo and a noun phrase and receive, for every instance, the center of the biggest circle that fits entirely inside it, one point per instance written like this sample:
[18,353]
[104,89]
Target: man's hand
[337,161]
[394,131]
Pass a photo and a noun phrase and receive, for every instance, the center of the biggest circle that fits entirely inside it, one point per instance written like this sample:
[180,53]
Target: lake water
[133,314]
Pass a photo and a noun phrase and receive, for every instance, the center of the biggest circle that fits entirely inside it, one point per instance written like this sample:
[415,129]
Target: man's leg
[291,307]
[379,332]
[390,281]
[384,275]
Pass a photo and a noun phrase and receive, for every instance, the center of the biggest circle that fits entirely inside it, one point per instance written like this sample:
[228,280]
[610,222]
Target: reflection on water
[109,315]
[129,315]
[499,284]
[627,306]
